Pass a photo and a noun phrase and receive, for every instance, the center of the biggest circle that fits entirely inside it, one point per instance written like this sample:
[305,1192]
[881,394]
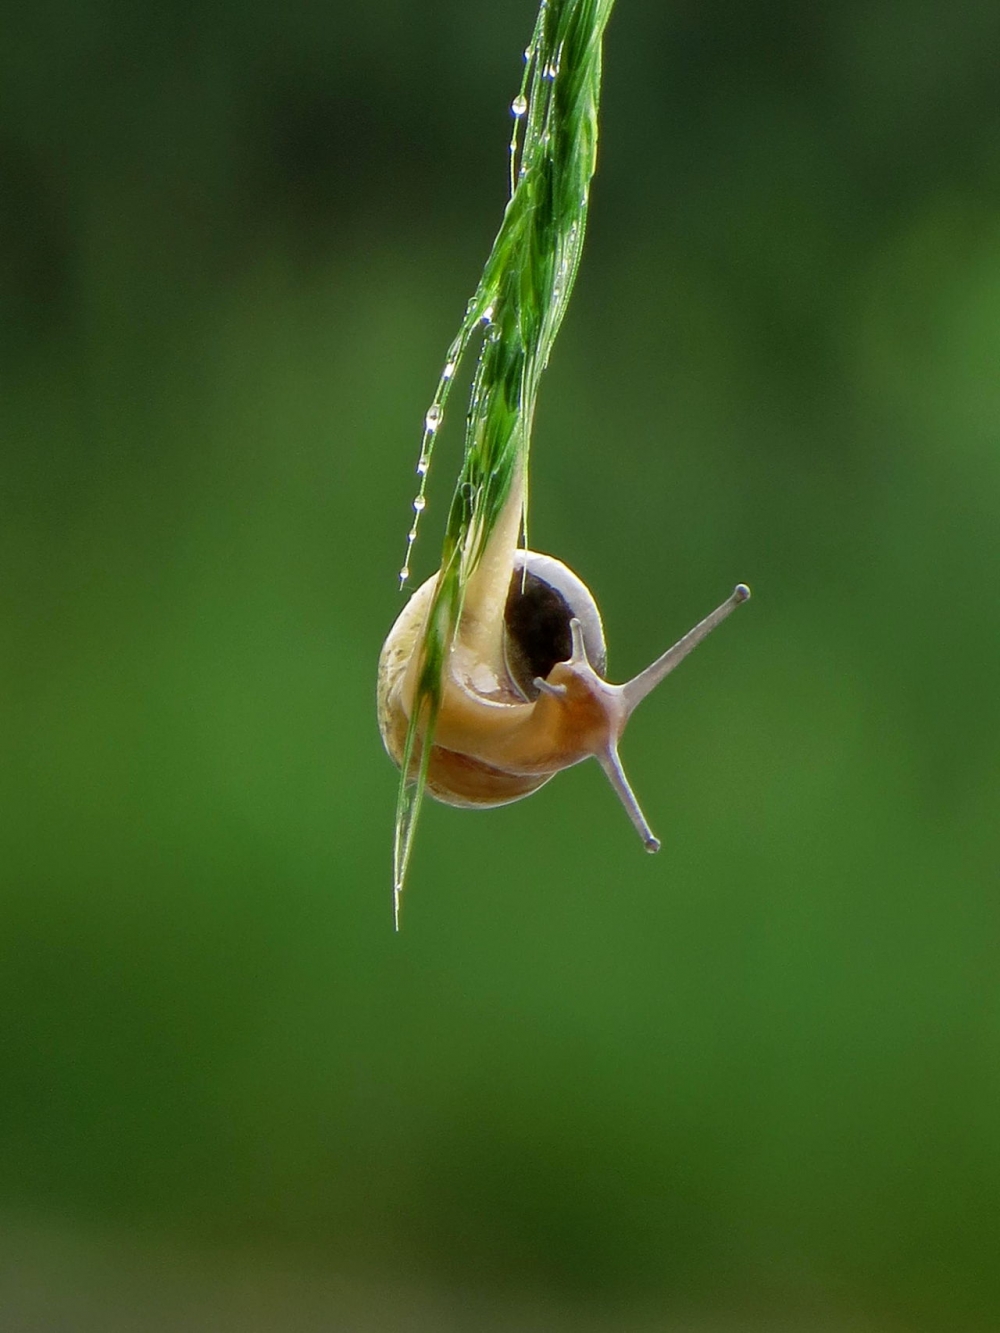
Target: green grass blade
[517,310]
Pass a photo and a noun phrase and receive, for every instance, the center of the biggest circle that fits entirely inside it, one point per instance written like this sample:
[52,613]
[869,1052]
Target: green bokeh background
[749,1084]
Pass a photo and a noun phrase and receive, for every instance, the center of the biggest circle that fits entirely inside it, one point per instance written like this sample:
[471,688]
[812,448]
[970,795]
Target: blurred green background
[752,1083]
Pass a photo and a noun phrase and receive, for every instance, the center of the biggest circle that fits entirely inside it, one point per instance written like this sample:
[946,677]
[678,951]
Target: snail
[523,693]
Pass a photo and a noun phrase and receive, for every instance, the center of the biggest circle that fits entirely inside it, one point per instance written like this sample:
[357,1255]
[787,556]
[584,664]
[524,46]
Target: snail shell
[543,599]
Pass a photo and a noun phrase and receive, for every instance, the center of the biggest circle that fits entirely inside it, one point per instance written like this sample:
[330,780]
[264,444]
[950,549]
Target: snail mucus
[523,690]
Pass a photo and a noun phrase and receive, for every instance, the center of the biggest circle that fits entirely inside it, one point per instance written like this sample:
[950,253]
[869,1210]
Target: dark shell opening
[544,597]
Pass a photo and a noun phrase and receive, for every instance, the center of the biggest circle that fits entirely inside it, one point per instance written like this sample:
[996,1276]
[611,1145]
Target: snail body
[523,693]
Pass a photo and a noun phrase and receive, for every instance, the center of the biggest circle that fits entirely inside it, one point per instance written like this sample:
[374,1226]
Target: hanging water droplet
[448,371]
[487,315]
[422,465]
[420,504]
[434,417]
[519,105]
[404,573]
[550,71]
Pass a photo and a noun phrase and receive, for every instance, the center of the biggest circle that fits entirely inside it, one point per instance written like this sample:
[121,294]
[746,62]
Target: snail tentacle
[610,762]
[639,686]
[557,691]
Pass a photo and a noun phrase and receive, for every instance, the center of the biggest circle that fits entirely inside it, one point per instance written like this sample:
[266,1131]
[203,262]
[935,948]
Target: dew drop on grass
[519,105]
[435,415]
[420,504]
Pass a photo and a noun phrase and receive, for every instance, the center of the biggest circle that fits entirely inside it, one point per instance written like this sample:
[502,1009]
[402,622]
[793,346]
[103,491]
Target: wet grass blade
[516,313]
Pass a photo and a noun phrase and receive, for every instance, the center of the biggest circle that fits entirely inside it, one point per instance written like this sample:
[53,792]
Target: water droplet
[487,315]
[422,465]
[404,573]
[420,504]
[434,417]
[529,51]
[448,371]
[550,71]
[519,105]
